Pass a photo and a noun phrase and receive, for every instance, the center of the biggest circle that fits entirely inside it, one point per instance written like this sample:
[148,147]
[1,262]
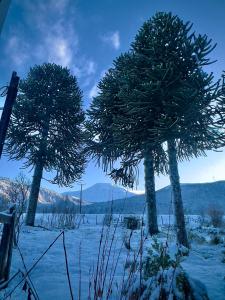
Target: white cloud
[59,50]
[91,67]
[55,38]
[18,50]
[113,39]
[93,91]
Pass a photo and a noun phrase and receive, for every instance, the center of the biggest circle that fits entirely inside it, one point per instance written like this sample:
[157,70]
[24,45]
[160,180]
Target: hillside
[196,197]
[46,197]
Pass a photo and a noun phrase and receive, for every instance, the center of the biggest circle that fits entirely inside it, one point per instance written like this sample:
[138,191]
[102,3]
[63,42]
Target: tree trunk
[33,198]
[152,224]
[177,198]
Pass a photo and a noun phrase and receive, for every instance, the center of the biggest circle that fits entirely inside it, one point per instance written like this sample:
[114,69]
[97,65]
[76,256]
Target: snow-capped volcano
[101,192]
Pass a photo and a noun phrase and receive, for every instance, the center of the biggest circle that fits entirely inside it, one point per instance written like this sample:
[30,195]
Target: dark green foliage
[119,135]
[156,92]
[158,259]
[46,123]
[170,61]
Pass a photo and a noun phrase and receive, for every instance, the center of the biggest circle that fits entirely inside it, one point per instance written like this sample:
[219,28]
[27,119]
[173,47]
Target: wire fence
[28,285]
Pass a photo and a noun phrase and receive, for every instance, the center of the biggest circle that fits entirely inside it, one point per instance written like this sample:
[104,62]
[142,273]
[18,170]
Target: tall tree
[46,128]
[117,134]
[171,61]
[157,93]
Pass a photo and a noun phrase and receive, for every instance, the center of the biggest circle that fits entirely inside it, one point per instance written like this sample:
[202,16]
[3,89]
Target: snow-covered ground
[82,244]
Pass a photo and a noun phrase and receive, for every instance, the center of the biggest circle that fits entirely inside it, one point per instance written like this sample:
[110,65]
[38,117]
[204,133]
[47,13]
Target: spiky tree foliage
[170,61]
[117,135]
[46,128]
[158,93]
[220,110]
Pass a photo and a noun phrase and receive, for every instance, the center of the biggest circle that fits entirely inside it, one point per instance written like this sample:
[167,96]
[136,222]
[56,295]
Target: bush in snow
[66,219]
[216,239]
[216,216]
[164,278]
[159,257]
[132,222]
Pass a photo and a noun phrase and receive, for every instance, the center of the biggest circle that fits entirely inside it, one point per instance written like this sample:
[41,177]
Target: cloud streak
[51,38]
[93,91]
[112,39]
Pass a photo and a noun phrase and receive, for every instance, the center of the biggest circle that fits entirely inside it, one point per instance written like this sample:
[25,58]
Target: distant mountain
[101,192]
[196,198]
[47,198]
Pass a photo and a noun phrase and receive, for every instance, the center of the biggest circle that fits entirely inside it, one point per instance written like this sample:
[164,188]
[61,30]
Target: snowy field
[206,262]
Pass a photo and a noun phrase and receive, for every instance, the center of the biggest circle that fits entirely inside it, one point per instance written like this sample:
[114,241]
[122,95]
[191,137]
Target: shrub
[164,278]
[66,219]
[132,222]
[216,239]
[216,216]
[156,259]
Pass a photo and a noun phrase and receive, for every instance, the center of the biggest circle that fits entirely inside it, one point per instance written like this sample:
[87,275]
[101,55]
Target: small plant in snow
[164,278]
[159,258]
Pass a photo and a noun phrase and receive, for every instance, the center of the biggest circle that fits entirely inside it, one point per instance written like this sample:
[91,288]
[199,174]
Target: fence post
[7,110]
[6,245]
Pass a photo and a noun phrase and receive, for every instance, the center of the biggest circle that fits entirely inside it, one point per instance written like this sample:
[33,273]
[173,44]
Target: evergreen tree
[158,93]
[170,60]
[117,129]
[46,128]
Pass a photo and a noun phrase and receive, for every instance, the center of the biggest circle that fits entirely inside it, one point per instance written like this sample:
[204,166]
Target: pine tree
[46,128]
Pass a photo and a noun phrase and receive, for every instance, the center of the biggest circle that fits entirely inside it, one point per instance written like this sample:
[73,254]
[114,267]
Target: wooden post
[81,195]
[6,245]
[11,241]
[7,109]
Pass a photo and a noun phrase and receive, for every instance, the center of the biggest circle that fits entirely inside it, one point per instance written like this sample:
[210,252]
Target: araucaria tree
[172,60]
[46,128]
[120,125]
[157,95]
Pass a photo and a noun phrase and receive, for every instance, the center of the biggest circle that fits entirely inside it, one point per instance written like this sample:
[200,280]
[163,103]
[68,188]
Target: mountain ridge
[196,198]
[101,192]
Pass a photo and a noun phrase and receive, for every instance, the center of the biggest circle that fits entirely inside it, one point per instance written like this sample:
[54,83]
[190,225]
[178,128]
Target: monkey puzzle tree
[46,128]
[155,94]
[171,60]
[120,135]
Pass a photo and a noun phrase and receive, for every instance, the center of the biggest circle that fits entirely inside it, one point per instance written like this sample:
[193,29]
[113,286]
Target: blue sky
[86,36]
